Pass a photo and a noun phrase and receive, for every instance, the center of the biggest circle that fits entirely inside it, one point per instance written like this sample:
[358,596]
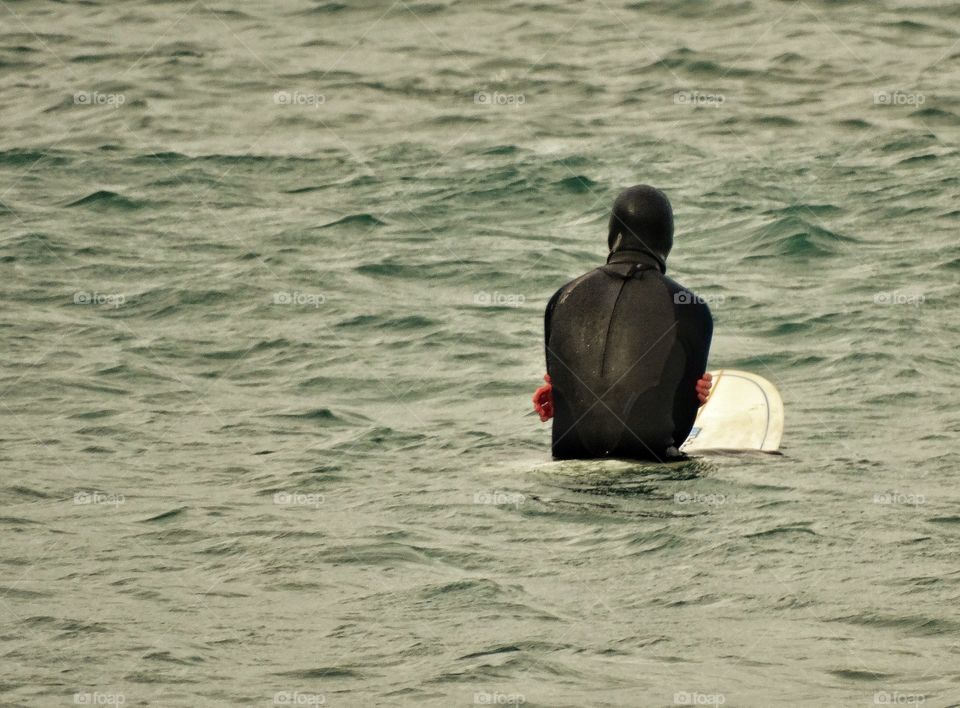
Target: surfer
[626,345]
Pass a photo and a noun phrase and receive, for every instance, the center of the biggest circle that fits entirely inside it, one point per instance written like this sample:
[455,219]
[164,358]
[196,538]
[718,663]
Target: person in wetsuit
[626,346]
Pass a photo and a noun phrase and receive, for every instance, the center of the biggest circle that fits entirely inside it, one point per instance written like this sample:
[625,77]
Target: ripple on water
[794,237]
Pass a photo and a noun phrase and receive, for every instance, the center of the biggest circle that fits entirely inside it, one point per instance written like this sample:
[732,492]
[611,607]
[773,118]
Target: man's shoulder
[673,285]
[571,285]
[694,304]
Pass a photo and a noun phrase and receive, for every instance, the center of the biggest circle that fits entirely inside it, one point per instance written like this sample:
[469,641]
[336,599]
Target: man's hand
[543,400]
[703,387]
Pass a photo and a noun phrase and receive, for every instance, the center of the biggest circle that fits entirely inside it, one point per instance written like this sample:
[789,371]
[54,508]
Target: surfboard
[744,412]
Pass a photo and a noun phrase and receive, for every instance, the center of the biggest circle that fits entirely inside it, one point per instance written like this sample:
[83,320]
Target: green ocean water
[272,278]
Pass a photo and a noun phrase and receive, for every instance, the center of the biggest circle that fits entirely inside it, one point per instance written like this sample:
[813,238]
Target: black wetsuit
[625,348]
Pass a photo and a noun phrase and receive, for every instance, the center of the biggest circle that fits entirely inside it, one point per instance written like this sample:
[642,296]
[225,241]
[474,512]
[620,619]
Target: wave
[911,26]
[418,271]
[168,156]
[790,58]
[691,62]
[577,184]
[381,438]
[361,220]
[408,322]
[166,515]
[323,415]
[163,302]
[33,246]
[919,159]
[936,116]
[910,141]
[795,210]
[793,237]
[105,199]
[693,8]
[854,123]
[912,625]
[506,149]
[815,322]
[859,675]
[326,8]
[322,672]
[17,157]
[775,121]
[783,530]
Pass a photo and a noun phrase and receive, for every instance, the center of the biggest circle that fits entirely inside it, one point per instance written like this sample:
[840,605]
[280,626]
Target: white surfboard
[744,412]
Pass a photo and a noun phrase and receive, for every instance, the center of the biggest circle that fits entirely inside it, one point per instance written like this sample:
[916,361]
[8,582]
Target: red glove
[543,400]
[703,387]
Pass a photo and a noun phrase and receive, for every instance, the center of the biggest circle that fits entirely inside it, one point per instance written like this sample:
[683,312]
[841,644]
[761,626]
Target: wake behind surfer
[626,346]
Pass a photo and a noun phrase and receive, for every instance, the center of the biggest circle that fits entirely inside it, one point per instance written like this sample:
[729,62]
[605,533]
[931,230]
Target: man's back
[625,348]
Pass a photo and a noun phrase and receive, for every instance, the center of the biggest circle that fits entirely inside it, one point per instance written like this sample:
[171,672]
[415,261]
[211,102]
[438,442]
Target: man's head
[642,220]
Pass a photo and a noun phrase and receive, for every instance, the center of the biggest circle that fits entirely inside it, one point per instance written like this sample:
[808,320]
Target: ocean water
[272,278]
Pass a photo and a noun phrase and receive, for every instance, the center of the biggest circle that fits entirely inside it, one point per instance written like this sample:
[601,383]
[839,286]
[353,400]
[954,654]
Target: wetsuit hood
[642,221]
